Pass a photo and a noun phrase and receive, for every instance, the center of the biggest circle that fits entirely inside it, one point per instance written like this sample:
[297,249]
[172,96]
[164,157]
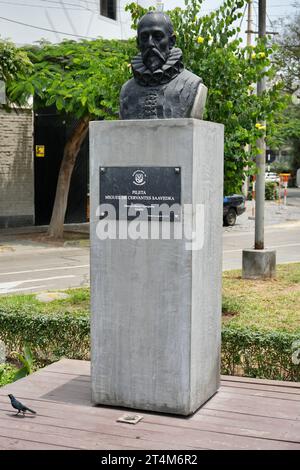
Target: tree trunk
[71,150]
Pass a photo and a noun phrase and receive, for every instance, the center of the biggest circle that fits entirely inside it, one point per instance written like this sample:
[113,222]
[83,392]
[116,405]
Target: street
[29,268]
[293,197]
[284,239]
[34,270]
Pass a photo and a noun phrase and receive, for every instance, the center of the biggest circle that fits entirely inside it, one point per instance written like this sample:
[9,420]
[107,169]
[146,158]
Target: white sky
[80,17]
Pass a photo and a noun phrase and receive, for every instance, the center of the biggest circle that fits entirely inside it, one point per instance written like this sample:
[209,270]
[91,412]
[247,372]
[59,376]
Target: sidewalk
[77,235]
[26,239]
[73,228]
[275,214]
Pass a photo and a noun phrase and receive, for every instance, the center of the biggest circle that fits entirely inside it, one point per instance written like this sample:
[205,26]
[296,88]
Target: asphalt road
[29,268]
[293,197]
[40,269]
[285,239]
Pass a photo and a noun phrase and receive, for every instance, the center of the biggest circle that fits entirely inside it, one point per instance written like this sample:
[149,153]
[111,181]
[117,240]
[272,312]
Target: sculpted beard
[153,58]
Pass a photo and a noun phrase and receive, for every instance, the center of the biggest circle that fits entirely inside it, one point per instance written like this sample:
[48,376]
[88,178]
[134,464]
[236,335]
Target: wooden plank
[260,393]
[250,386]
[166,438]
[279,383]
[8,443]
[235,400]
[32,431]
[242,415]
[272,408]
[183,431]
[69,366]
[239,424]
[47,386]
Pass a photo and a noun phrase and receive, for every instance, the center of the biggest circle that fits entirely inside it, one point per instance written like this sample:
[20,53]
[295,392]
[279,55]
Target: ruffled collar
[165,74]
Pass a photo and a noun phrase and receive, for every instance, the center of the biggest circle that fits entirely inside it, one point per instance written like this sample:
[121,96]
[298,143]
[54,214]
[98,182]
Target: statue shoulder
[128,86]
[128,92]
[193,92]
[191,77]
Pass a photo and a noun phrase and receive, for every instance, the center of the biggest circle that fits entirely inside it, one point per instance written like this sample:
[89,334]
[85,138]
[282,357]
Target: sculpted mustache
[152,51]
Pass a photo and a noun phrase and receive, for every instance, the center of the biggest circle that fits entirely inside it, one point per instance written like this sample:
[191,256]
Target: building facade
[16,168]
[26,189]
[54,20]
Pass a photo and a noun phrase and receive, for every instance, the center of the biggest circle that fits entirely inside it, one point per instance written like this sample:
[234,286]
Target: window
[108,9]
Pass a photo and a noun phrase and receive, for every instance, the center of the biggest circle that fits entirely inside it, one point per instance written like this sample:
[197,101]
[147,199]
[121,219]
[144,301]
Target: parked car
[272,177]
[232,207]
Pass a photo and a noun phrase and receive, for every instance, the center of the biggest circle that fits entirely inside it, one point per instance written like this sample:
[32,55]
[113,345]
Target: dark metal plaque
[153,193]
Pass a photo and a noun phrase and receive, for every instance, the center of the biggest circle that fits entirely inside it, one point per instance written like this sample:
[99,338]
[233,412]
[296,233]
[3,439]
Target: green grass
[7,373]
[271,305]
[78,303]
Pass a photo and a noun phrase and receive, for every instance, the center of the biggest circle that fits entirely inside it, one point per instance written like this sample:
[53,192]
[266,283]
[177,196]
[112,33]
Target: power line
[45,29]
[66,3]
[63,5]
[79,8]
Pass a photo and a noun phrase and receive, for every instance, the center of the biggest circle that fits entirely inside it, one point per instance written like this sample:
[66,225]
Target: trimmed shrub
[49,337]
[271,191]
[246,352]
[268,355]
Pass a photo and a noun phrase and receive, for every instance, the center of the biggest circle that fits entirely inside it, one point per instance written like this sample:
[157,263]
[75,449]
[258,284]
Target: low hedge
[271,191]
[268,355]
[49,337]
[244,351]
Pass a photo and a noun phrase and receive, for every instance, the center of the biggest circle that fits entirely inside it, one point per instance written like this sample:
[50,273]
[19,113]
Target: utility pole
[249,23]
[260,263]
[261,145]
[159,5]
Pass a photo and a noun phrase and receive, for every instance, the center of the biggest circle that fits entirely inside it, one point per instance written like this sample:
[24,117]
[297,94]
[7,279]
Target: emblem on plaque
[139,177]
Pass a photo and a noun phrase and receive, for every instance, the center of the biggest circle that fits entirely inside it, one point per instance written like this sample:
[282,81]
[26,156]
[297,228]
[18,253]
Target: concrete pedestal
[156,304]
[259,264]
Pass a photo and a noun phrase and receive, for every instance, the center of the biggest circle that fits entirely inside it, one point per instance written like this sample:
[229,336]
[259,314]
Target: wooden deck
[244,414]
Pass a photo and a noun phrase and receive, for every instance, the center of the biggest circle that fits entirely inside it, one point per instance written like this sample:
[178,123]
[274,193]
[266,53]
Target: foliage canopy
[79,78]
[84,79]
[14,62]
[212,49]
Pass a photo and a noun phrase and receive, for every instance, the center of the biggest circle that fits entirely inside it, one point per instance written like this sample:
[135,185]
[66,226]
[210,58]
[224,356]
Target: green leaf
[20,374]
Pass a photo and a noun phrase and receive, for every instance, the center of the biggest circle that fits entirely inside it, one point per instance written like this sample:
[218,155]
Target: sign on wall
[40,150]
[141,189]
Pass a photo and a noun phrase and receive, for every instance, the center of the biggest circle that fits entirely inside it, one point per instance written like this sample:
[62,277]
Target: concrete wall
[16,168]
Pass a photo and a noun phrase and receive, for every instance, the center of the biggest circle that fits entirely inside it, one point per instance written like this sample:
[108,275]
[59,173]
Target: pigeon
[19,406]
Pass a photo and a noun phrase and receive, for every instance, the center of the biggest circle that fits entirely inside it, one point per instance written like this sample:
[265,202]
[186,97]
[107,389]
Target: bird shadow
[19,416]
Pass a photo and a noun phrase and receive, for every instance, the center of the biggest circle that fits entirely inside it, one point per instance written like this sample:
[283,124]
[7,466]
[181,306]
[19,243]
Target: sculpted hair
[162,16]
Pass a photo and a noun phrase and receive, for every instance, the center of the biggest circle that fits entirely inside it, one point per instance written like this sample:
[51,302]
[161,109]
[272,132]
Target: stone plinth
[259,264]
[156,304]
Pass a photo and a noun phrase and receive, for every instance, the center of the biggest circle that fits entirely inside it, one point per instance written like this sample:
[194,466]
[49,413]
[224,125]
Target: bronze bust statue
[161,87]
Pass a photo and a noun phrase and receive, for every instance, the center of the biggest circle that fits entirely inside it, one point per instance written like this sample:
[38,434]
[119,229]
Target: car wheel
[230,218]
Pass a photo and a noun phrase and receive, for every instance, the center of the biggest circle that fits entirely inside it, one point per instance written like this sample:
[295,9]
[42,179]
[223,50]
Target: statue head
[155,39]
